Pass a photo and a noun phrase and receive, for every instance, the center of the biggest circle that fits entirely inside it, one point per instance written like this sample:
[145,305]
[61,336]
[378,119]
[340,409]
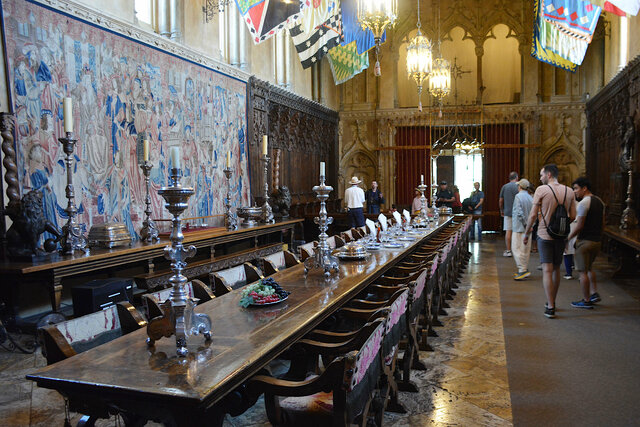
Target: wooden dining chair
[307,250]
[195,289]
[224,281]
[273,263]
[65,339]
[340,395]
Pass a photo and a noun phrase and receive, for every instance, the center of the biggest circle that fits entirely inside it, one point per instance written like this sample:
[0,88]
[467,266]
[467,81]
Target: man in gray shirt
[507,194]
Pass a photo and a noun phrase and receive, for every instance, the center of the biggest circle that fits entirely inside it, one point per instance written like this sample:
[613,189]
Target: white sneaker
[567,277]
[540,267]
[506,253]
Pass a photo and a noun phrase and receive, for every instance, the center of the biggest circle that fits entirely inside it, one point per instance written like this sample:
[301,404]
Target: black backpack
[558,226]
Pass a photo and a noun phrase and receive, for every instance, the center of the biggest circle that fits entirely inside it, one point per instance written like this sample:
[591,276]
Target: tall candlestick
[145,150]
[228,159]
[67,111]
[421,179]
[322,168]
[175,157]
[265,145]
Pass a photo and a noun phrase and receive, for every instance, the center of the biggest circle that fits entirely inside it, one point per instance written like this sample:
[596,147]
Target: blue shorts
[551,251]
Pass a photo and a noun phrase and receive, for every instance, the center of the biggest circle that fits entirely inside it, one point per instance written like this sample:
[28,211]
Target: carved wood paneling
[304,132]
[606,113]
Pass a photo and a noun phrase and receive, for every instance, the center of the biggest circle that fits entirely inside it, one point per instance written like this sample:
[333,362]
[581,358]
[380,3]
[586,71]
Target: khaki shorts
[507,224]
[586,253]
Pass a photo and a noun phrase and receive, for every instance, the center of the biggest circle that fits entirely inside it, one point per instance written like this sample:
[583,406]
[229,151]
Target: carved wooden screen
[302,133]
[412,160]
[606,115]
[500,158]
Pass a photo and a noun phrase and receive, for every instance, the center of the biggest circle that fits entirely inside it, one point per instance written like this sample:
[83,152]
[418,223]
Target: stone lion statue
[281,201]
[28,224]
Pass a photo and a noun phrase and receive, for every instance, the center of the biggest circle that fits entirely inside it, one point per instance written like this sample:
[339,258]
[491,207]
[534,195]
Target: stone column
[479,55]
[233,45]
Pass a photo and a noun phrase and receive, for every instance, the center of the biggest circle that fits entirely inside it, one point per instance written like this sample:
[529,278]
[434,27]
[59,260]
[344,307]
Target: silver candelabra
[149,231]
[267,212]
[436,214]
[424,214]
[179,318]
[230,218]
[73,237]
[322,257]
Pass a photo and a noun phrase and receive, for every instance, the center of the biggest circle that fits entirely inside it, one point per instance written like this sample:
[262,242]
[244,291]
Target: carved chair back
[307,250]
[194,289]
[278,261]
[65,339]
[224,281]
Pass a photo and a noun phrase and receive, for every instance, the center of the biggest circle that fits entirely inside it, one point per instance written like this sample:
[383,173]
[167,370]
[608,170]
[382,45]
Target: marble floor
[466,382]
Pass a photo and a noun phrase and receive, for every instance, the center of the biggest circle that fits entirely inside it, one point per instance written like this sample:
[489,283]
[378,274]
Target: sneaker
[506,253]
[523,275]
[540,267]
[568,277]
[595,297]
[582,304]
[549,312]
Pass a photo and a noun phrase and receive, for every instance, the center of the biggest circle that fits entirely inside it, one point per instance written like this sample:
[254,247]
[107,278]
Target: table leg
[55,293]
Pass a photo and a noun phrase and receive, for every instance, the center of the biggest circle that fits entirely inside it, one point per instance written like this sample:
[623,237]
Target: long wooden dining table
[125,375]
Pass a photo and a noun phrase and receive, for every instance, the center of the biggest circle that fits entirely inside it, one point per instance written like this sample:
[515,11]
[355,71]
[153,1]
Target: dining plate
[393,245]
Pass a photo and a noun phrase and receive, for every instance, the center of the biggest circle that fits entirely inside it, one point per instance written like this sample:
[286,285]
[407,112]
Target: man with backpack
[554,205]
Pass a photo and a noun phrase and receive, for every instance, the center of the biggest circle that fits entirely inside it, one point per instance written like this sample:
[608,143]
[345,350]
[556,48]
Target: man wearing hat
[354,199]
[444,196]
[522,204]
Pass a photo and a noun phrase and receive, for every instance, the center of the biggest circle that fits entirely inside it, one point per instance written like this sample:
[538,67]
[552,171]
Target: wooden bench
[624,246]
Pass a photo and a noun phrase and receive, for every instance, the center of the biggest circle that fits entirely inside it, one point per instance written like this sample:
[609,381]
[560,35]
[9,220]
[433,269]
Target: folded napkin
[383,222]
[406,215]
[397,217]
[372,227]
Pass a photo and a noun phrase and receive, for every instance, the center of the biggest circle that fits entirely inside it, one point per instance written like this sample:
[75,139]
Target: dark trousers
[356,216]
[373,209]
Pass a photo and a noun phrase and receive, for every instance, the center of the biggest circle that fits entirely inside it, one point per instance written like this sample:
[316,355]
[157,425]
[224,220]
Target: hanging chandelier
[419,59]
[377,15]
[468,147]
[440,79]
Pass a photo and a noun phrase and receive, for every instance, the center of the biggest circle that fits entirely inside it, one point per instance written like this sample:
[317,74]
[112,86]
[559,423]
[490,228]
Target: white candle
[145,150]
[67,111]
[228,159]
[421,179]
[175,157]
[265,144]
[322,168]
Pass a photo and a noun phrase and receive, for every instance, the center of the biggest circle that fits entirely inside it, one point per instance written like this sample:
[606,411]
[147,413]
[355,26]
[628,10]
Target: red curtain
[497,164]
[411,163]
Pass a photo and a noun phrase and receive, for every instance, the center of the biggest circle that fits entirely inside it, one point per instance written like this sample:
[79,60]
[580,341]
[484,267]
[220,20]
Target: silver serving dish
[251,215]
[352,250]
[109,235]
[445,210]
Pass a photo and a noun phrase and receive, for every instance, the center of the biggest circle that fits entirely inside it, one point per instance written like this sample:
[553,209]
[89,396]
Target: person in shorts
[589,227]
[507,195]
[551,250]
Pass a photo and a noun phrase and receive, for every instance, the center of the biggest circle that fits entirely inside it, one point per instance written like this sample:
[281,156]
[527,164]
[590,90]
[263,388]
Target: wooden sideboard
[51,270]
[154,383]
[624,245]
